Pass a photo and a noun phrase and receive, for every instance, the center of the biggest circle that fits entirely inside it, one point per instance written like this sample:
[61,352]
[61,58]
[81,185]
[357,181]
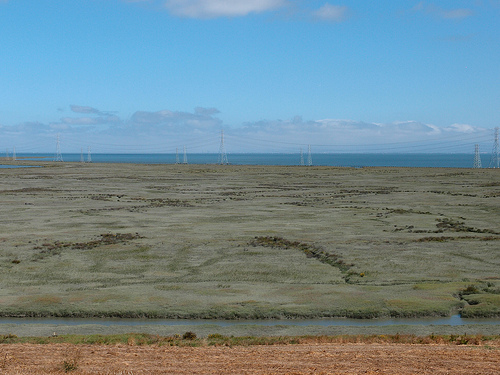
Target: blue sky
[275,75]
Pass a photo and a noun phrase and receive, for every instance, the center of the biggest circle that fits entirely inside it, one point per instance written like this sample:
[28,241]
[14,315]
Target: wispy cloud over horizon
[90,120]
[85,109]
[202,118]
[164,130]
[94,117]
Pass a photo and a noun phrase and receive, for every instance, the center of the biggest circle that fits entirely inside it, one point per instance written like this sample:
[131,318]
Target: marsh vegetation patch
[247,241]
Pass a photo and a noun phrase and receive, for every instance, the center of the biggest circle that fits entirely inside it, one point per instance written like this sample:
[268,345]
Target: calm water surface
[454,320]
[338,159]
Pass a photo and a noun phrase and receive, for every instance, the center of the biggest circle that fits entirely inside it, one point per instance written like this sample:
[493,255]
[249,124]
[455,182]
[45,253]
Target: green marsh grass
[190,339]
[156,241]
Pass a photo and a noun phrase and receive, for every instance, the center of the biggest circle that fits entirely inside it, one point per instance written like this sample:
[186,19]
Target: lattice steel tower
[309,156]
[89,157]
[222,150]
[185,161]
[58,150]
[477,158]
[495,161]
[301,157]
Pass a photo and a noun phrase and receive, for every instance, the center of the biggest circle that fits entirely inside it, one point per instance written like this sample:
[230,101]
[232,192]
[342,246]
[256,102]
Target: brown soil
[277,359]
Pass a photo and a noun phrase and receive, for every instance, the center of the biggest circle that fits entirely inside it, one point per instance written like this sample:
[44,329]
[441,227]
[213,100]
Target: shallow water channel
[17,166]
[454,320]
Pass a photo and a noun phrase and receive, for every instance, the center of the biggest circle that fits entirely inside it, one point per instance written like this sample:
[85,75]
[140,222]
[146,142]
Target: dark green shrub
[7,338]
[70,365]
[216,336]
[471,289]
[189,336]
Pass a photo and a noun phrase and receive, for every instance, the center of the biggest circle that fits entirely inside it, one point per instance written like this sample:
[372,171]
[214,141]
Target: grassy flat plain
[211,241]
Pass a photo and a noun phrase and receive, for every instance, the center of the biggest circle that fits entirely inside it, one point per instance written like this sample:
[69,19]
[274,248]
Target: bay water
[340,160]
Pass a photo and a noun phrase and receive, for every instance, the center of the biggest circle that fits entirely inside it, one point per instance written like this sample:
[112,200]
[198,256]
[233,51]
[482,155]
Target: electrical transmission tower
[495,161]
[58,151]
[477,158]
[177,156]
[81,156]
[222,151]
[185,161]
[14,154]
[301,157]
[309,156]
[89,157]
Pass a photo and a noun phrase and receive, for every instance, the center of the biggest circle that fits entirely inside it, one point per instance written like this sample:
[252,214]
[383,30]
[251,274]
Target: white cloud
[100,118]
[59,126]
[25,128]
[79,121]
[413,127]
[220,8]
[332,13]
[348,125]
[83,109]
[206,111]
[166,130]
[90,120]
[456,13]
[144,117]
[202,118]
[209,9]
[460,128]
[337,135]
[89,110]
[434,10]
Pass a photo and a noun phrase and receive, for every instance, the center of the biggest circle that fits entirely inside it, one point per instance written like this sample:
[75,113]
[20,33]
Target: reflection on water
[18,166]
[454,320]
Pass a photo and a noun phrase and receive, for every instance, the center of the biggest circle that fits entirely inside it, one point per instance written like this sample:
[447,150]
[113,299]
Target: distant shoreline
[356,160]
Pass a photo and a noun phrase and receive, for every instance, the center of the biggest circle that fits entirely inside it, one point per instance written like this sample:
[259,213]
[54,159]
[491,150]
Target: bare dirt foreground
[277,359]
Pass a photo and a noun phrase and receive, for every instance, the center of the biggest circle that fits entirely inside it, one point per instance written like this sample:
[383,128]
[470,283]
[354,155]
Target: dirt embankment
[277,359]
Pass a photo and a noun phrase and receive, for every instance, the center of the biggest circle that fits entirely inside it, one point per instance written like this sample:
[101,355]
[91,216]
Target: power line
[438,143]
[58,150]
[222,150]
[455,140]
[477,158]
[494,162]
